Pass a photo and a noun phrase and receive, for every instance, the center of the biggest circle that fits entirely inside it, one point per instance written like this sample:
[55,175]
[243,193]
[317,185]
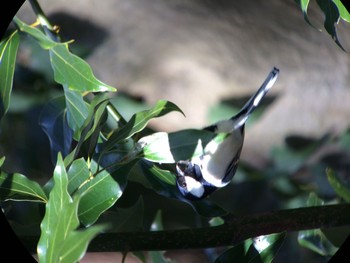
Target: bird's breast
[217,157]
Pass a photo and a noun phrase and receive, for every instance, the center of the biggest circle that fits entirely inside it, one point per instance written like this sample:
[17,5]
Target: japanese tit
[200,176]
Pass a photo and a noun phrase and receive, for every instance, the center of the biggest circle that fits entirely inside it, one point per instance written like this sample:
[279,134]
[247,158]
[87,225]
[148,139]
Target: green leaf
[262,249]
[344,14]
[341,189]
[98,194]
[54,123]
[216,221]
[20,188]
[74,72]
[234,254]
[313,200]
[91,128]
[8,53]
[128,219]
[59,240]
[77,110]
[182,145]
[157,225]
[164,176]
[78,173]
[344,140]
[288,161]
[81,179]
[75,246]
[90,134]
[314,239]
[331,13]
[332,9]
[96,111]
[304,6]
[268,246]
[69,69]
[119,169]
[44,41]
[139,121]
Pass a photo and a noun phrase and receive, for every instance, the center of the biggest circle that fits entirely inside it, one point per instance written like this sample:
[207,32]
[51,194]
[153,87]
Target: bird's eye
[183,185]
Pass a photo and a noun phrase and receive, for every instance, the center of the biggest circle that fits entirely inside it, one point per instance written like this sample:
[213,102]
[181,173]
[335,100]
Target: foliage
[333,11]
[99,158]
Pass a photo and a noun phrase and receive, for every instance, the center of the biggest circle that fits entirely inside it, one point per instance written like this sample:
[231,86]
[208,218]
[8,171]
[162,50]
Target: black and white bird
[200,176]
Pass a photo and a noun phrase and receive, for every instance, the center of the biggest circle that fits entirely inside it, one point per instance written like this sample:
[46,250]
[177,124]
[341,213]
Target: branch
[50,30]
[233,231]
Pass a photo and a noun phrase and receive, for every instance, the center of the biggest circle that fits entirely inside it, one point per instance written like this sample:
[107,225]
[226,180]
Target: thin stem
[49,29]
[233,231]
[116,115]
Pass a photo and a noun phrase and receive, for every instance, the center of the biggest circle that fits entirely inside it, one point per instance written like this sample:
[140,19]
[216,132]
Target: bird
[198,177]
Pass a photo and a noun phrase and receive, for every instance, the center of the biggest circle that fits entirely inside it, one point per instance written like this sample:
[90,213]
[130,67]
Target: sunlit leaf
[54,123]
[127,106]
[69,69]
[157,224]
[98,194]
[75,246]
[19,187]
[44,41]
[342,189]
[304,6]
[8,53]
[331,13]
[139,121]
[333,10]
[74,72]
[344,14]
[268,246]
[59,240]
[78,173]
[163,175]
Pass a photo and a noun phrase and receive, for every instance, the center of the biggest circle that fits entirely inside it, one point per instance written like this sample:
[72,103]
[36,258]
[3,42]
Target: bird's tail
[254,101]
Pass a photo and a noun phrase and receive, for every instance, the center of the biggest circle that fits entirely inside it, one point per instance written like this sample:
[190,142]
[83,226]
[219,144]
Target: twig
[50,30]
[232,232]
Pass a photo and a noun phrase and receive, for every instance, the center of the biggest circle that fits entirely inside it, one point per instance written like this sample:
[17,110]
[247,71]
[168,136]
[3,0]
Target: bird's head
[190,182]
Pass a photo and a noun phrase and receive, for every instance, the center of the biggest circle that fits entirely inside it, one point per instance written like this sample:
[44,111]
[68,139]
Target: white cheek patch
[194,187]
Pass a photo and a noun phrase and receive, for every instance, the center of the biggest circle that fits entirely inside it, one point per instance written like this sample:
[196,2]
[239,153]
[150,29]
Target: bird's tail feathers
[254,101]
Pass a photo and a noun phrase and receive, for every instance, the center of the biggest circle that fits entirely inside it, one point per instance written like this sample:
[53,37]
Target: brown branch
[233,231]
